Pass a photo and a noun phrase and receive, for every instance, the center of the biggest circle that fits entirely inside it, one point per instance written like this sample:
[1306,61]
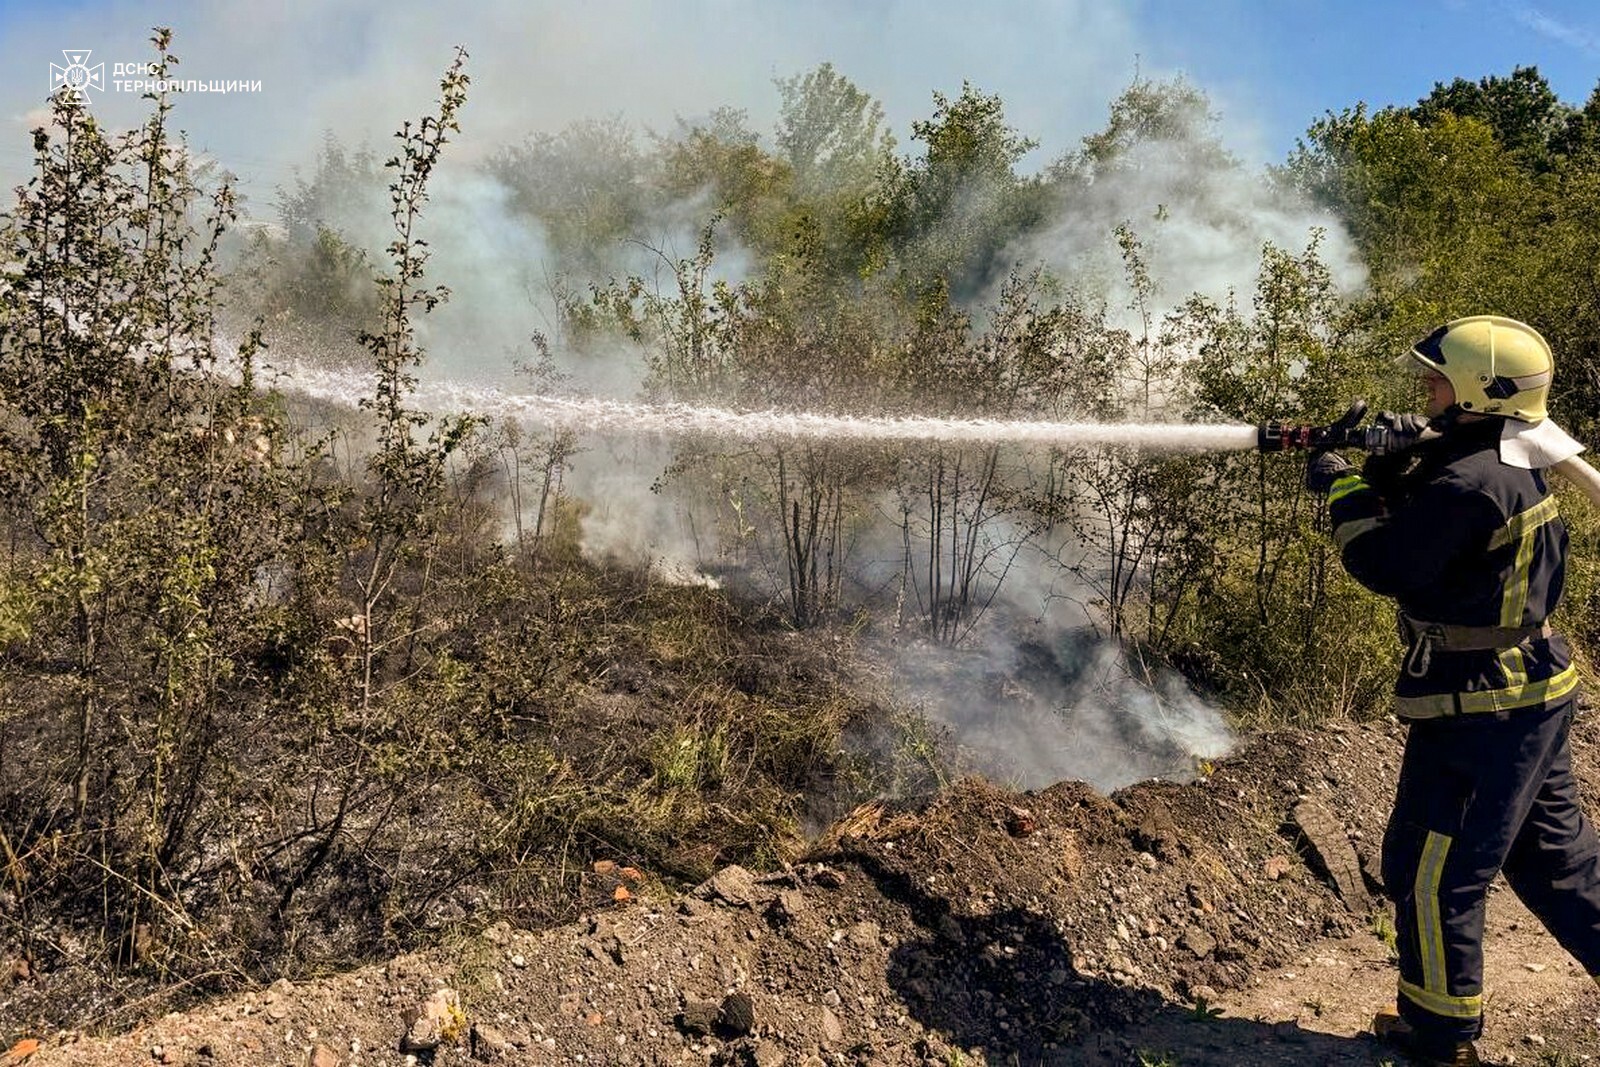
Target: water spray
[596,415]
[591,414]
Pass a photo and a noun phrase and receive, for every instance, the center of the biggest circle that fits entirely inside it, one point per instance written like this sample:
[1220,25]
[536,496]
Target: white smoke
[356,67]
[1201,215]
[1032,706]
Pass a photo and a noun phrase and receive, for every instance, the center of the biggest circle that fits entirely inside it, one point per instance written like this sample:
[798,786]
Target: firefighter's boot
[1388,1026]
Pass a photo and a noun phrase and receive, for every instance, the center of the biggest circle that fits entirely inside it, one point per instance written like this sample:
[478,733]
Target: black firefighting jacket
[1474,553]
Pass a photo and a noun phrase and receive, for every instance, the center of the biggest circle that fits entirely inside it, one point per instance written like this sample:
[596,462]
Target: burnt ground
[1211,923]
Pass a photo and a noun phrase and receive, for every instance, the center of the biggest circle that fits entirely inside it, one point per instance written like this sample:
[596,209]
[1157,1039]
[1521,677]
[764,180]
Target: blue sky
[1289,62]
[358,67]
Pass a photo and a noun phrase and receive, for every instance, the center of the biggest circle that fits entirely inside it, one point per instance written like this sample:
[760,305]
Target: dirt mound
[1058,927]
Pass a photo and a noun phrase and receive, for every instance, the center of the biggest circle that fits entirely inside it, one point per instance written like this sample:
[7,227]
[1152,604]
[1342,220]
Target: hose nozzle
[1344,433]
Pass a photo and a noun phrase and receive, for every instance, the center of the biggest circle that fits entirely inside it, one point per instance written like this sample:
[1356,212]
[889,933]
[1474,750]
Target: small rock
[433,1022]
[1277,867]
[828,878]
[487,1043]
[865,934]
[322,1056]
[1020,822]
[738,1015]
[277,1011]
[498,934]
[1198,941]
[518,960]
[1536,1040]
[1157,833]
[698,1017]
[1534,967]
[789,905]
[1148,861]
[767,1054]
[830,1028]
[733,884]
[605,867]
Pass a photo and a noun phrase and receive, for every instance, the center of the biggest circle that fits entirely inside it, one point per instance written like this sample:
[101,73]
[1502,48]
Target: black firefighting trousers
[1480,794]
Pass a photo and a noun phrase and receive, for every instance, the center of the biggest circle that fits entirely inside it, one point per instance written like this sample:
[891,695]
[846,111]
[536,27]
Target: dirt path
[1540,1004]
[1061,927]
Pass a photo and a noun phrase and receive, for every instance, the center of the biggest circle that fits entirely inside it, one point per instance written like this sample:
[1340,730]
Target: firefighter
[1462,531]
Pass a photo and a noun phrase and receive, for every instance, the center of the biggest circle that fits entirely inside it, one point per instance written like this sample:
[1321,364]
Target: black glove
[1323,469]
[1384,471]
[1401,432]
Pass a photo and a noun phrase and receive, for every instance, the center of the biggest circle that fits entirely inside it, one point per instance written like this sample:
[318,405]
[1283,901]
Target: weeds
[1556,1058]
[1382,927]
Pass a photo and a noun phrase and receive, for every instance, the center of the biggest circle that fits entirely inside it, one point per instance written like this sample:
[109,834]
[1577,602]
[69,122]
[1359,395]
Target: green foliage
[831,134]
[1522,110]
[1382,926]
[1174,115]
[955,209]
[144,492]
[586,186]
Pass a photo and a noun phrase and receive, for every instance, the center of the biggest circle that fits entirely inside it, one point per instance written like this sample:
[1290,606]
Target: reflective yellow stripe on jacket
[1522,530]
[1527,694]
[1344,485]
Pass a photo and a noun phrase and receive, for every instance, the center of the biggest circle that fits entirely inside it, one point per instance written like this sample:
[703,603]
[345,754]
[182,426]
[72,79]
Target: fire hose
[1378,439]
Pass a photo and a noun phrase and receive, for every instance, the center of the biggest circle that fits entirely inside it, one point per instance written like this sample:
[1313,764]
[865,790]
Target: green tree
[955,210]
[831,134]
[141,476]
[390,551]
[1523,111]
[1175,117]
[587,186]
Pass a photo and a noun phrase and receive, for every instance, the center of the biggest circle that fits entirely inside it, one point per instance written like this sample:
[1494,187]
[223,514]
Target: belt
[1425,638]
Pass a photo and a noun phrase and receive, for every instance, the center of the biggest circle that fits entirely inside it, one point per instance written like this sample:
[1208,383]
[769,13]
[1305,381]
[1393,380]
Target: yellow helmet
[1497,366]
